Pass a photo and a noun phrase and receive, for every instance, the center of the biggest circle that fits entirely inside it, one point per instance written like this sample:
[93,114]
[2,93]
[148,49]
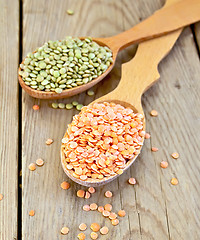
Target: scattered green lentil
[54,105]
[74,103]
[79,106]
[60,65]
[69,106]
[70,12]
[61,105]
[90,92]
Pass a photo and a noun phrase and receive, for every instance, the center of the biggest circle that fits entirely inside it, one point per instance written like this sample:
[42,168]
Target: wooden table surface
[155,209]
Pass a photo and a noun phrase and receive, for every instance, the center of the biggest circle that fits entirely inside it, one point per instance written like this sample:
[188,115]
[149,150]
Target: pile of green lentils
[65,64]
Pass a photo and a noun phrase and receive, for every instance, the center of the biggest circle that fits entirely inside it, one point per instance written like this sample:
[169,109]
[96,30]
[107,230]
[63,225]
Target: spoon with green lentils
[64,68]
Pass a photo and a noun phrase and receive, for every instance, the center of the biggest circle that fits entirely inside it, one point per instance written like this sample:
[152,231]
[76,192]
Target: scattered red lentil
[32,213]
[95,227]
[86,208]
[104,230]
[93,206]
[121,213]
[36,107]
[132,181]
[154,113]
[91,190]
[101,139]
[108,207]
[64,230]
[108,194]
[49,141]
[100,209]
[147,136]
[93,235]
[174,181]
[87,195]
[175,155]
[81,236]
[1,197]
[80,193]
[82,226]
[164,164]
[32,166]
[115,222]
[154,149]
[113,215]
[40,162]
[65,185]
[106,213]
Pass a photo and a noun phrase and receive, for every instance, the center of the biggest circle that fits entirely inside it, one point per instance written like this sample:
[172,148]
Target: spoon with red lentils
[106,137]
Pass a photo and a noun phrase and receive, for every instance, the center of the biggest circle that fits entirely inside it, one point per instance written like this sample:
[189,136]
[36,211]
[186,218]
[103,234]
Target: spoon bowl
[168,19]
[99,182]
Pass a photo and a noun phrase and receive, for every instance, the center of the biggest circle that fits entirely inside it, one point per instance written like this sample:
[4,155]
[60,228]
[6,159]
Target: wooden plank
[9,123]
[154,207]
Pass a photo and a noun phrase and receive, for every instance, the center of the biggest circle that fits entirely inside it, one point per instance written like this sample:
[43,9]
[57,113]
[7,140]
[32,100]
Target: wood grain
[155,209]
[9,22]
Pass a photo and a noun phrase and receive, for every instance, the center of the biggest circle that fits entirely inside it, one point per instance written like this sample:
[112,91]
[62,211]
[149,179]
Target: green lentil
[69,106]
[54,105]
[61,105]
[60,65]
[74,103]
[79,106]
[90,92]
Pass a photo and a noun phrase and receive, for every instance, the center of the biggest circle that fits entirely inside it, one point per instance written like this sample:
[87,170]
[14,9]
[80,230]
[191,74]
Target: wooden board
[9,120]
[155,209]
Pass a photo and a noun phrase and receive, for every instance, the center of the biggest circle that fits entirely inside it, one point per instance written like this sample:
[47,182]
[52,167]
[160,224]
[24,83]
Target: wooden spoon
[167,19]
[137,76]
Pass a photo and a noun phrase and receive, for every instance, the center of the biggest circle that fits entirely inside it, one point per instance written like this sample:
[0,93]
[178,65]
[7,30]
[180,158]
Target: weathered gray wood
[155,209]
[9,22]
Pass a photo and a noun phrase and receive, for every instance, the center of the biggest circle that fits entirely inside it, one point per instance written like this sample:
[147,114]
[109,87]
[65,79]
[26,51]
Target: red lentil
[115,222]
[108,194]
[154,149]
[36,107]
[175,155]
[104,230]
[154,113]
[81,236]
[132,181]
[86,208]
[82,226]
[65,185]
[121,213]
[81,193]
[108,207]
[164,164]
[87,195]
[93,206]
[32,213]
[91,190]
[174,181]
[32,166]
[93,235]
[40,162]
[147,136]
[1,197]
[49,141]
[95,227]
[101,139]
[64,230]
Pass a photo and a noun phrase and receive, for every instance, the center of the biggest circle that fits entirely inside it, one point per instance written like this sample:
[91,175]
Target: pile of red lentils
[101,139]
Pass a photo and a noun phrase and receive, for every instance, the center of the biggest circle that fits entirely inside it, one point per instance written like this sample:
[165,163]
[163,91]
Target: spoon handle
[168,19]
[141,72]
